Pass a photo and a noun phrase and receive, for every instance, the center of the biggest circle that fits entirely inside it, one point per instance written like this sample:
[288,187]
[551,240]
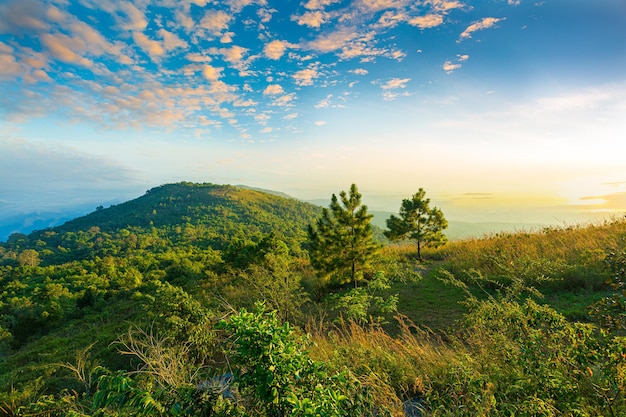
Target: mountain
[202,212]
[187,203]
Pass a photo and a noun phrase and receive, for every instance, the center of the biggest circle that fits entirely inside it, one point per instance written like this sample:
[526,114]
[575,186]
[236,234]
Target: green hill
[182,214]
[221,209]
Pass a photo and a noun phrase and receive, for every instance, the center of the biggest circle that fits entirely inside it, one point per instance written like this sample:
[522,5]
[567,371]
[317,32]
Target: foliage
[341,241]
[367,302]
[273,366]
[611,310]
[419,222]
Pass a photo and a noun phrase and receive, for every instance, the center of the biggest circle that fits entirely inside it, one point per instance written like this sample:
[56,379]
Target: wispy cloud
[313,19]
[450,66]
[485,23]
[395,83]
[427,21]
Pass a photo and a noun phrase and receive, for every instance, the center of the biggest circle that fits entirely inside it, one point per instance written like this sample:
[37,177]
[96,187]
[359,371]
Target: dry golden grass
[394,369]
[570,257]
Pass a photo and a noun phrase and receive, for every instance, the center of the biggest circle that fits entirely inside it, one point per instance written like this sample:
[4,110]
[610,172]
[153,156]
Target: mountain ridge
[40,221]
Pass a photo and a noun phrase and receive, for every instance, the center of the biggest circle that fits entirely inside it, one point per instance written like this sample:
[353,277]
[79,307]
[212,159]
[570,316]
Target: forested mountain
[202,215]
[221,211]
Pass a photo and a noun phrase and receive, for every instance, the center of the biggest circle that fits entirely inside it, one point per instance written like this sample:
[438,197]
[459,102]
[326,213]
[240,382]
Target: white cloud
[62,48]
[285,100]
[211,73]
[359,71]
[395,83]
[136,19]
[234,54]
[320,123]
[392,95]
[332,41]
[377,5]
[428,21]
[305,77]
[485,23]
[319,4]
[215,21]
[276,49]
[448,66]
[196,57]
[273,90]
[324,103]
[153,48]
[95,43]
[9,68]
[262,118]
[444,5]
[22,16]
[237,5]
[313,19]
[171,40]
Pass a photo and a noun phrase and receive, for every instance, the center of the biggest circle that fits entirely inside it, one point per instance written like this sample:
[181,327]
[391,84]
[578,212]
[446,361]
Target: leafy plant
[272,365]
[360,304]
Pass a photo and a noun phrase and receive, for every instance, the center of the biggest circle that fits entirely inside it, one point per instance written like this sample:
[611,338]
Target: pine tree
[418,222]
[341,242]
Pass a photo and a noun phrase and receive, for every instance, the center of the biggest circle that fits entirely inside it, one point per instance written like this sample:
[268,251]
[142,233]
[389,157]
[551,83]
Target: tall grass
[566,257]
[510,358]
[395,369]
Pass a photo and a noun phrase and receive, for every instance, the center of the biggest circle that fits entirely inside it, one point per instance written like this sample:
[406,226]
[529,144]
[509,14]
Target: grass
[569,258]
[574,304]
[430,303]
[566,264]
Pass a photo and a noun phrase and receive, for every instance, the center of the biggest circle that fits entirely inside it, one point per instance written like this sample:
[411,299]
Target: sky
[502,110]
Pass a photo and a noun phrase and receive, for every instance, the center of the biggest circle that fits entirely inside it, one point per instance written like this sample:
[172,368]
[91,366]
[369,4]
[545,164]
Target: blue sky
[503,110]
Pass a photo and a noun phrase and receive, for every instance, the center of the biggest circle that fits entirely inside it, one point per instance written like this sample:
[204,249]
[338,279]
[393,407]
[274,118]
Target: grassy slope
[565,264]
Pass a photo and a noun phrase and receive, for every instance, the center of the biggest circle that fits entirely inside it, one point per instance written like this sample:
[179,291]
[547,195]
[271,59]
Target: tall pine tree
[418,222]
[341,242]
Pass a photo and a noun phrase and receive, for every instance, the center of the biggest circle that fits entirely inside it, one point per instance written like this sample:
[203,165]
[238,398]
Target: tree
[342,241]
[418,222]
[28,257]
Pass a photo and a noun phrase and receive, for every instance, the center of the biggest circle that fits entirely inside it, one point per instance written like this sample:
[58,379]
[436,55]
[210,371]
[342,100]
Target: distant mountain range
[463,230]
[173,202]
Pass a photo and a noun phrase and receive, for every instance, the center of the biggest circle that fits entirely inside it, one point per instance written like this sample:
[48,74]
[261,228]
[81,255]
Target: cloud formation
[127,63]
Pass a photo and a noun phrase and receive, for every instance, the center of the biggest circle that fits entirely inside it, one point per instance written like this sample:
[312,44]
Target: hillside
[200,215]
[213,206]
